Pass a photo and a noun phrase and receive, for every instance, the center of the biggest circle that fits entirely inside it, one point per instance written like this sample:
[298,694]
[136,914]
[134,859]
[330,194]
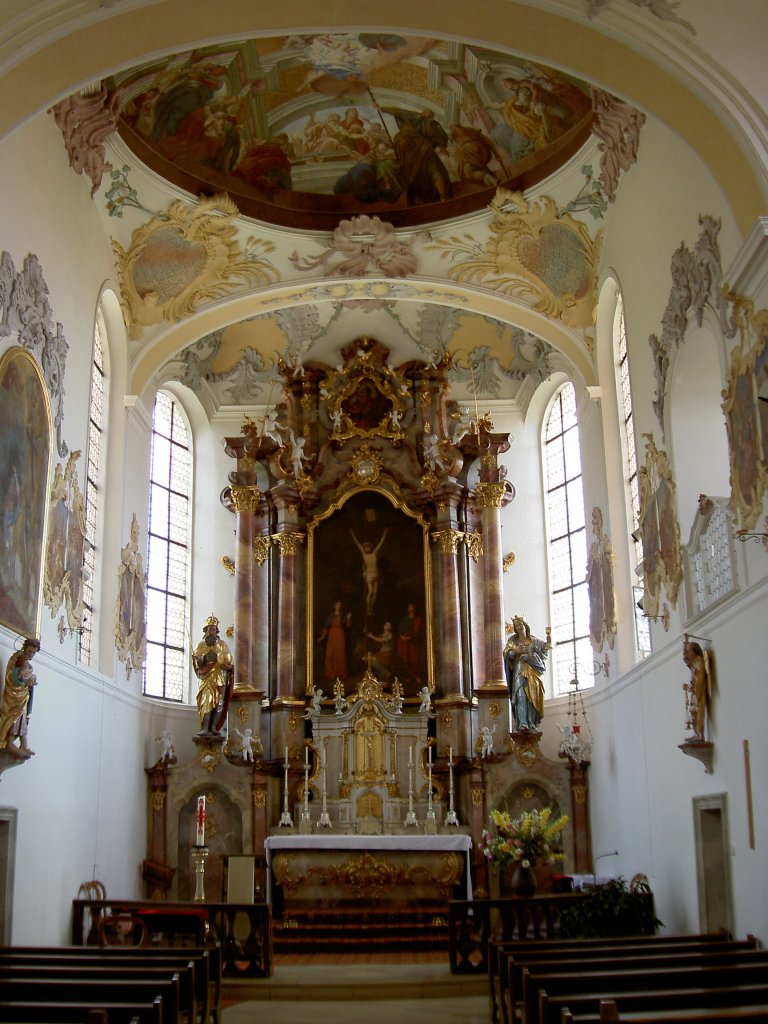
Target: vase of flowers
[522,842]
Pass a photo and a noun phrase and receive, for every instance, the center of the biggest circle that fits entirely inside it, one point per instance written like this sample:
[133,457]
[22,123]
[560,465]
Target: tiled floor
[365,992]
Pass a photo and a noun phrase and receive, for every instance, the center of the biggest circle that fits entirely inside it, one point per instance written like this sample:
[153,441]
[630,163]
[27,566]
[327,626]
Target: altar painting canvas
[368,602]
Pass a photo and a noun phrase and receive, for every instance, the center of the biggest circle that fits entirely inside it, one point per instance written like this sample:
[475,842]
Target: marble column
[245,500]
[490,497]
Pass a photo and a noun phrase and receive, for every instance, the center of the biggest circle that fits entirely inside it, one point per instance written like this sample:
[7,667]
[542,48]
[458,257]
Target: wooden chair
[122,930]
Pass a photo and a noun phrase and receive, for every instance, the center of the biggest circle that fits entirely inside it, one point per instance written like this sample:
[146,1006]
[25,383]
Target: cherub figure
[433,453]
[487,734]
[246,744]
[167,753]
[315,704]
[297,454]
[269,427]
[426,703]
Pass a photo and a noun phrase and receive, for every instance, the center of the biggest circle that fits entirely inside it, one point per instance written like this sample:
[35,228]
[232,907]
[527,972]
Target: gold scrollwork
[447,541]
[245,498]
[474,542]
[209,756]
[580,794]
[242,712]
[491,495]
[158,800]
[261,547]
[478,793]
[378,876]
[367,465]
[509,561]
[494,710]
[228,564]
[288,543]
[293,721]
[260,799]
[447,718]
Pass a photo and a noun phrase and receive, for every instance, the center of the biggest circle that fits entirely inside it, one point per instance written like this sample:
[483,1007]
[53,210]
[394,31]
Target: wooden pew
[108,971]
[651,1007]
[546,994]
[206,961]
[31,1012]
[680,954]
[499,952]
[95,993]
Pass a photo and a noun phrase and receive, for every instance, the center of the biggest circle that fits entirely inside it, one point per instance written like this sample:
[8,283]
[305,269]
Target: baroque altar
[369,697]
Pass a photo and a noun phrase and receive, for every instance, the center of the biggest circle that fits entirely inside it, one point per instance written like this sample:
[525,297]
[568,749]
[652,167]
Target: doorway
[713,875]
[7,861]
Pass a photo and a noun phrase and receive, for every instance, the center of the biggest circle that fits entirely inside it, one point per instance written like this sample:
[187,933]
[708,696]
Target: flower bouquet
[525,839]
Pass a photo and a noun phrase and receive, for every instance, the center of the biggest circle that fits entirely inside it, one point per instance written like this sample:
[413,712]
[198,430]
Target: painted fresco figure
[212,662]
[334,636]
[524,663]
[16,700]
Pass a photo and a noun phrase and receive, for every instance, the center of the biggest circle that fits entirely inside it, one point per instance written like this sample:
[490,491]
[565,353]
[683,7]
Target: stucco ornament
[697,280]
[25,313]
[86,120]
[617,126]
[665,10]
[184,258]
[362,246]
[535,254]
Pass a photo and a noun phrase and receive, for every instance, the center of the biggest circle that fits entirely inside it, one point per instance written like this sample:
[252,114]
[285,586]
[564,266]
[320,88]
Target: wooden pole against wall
[750,809]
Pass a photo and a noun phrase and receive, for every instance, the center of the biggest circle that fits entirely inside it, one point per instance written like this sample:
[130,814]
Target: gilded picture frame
[25,466]
[745,405]
[369,569]
[65,544]
[660,530]
[131,605]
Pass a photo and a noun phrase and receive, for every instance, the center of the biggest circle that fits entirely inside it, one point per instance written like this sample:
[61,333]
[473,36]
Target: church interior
[384,447]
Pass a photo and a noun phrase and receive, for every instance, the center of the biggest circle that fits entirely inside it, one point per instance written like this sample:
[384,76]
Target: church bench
[545,995]
[31,1012]
[502,954]
[608,957]
[207,963]
[652,1007]
[97,993]
[88,972]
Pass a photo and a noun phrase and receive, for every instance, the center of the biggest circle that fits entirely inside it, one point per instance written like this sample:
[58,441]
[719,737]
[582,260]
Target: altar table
[400,843]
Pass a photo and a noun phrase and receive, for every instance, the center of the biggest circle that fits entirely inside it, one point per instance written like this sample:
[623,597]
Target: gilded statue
[524,662]
[16,700]
[212,662]
[698,689]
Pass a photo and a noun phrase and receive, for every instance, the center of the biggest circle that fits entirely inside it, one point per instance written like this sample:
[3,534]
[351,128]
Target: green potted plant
[609,910]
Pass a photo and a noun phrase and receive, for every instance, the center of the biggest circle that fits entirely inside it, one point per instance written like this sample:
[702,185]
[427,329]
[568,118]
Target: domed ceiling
[305,130]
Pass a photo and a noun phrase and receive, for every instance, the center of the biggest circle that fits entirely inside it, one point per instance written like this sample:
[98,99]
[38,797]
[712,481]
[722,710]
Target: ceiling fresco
[303,131]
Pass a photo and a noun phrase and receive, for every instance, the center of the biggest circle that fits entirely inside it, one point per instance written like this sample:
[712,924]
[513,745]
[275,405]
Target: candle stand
[410,818]
[451,817]
[199,853]
[286,821]
[430,824]
[325,818]
[305,822]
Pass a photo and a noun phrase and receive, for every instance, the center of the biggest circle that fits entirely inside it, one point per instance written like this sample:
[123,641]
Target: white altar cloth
[325,841]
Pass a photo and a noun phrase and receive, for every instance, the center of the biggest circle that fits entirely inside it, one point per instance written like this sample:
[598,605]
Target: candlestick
[286,757]
[451,817]
[430,823]
[450,755]
[286,821]
[410,818]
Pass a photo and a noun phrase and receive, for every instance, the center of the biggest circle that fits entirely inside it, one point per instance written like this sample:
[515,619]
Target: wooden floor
[350,959]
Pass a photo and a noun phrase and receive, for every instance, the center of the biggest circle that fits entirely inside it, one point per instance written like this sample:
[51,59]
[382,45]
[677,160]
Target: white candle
[450,755]
[200,822]
[429,754]
[306,755]
[410,756]
[286,757]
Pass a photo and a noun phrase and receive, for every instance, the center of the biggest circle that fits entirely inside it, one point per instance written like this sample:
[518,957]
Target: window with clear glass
[92,491]
[572,650]
[627,425]
[166,667]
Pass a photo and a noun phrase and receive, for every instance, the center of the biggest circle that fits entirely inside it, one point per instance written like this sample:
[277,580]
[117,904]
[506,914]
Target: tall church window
[572,649]
[627,427]
[86,653]
[166,671]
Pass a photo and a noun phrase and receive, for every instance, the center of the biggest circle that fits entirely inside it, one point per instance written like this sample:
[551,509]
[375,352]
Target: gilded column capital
[491,495]
[245,498]
[288,542]
[261,548]
[447,540]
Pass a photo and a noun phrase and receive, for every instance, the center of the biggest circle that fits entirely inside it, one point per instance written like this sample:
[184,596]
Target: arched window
[572,649]
[93,470]
[632,496]
[166,668]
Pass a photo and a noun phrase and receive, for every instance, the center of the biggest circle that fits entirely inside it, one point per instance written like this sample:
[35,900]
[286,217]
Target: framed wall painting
[25,458]
[65,544]
[368,595]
